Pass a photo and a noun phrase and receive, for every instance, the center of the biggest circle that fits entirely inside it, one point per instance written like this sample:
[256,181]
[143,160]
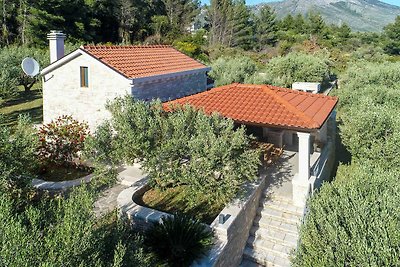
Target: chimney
[56,40]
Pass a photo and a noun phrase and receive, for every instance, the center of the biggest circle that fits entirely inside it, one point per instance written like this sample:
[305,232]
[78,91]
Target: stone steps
[282,206]
[269,244]
[265,259]
[289,238]
[274,234]
[276,224]
[282,215]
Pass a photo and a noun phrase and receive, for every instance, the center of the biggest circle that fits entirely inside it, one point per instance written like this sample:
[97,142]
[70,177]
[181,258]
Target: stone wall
[230,237]
[234,232]
[62,94]
[170,88]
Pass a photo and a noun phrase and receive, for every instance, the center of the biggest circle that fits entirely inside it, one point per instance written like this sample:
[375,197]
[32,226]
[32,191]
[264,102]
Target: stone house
[81,83]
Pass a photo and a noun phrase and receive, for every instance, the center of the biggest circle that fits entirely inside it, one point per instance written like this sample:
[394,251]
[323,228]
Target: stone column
[301,182]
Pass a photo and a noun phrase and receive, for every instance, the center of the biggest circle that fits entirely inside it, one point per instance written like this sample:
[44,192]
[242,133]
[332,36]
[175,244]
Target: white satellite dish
[30,66]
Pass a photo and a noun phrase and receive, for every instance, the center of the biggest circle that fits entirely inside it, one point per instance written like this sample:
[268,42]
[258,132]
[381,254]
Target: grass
[173,200]
[63,173]
[30,103]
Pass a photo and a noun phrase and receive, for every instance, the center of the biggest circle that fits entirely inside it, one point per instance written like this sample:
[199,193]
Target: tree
[65,232]
[46,15]
[183,147]
[160,25]
[353,221]
[181,14]
[287,23]
[266,27]
[12,74]
[392,33]
[316,25]
[297,67]
[369,117]
[241,28]
[220,13]
[18,159]
[228,70]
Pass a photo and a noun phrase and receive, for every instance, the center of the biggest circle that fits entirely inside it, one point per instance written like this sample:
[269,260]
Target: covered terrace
[297,121]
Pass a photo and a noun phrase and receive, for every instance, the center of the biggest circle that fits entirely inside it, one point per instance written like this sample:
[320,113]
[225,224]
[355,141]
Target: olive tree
[353,221]
[11,74]
[186,147]
[229,70]
[297,67]
[368,114]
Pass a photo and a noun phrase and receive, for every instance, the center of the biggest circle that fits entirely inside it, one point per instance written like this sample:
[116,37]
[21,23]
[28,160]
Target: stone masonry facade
[63,95]
[171,88]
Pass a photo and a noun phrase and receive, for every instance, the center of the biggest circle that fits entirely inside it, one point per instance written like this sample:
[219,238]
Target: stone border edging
[60,186]
[133,211]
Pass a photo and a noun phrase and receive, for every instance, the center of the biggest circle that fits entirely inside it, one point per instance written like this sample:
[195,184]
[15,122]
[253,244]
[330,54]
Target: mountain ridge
[360,15]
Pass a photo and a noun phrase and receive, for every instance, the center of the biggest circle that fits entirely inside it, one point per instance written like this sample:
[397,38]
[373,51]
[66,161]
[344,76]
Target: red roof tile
[143,61]
[263,105]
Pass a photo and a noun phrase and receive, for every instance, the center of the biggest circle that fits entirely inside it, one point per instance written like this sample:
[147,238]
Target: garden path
[127,176]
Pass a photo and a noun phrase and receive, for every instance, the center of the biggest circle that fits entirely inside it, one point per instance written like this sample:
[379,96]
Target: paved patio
[281,174]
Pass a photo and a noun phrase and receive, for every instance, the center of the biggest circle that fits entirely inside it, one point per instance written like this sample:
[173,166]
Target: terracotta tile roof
[263,105]
[143,61]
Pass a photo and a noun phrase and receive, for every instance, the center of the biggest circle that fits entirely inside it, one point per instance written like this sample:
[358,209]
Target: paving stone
[108,200]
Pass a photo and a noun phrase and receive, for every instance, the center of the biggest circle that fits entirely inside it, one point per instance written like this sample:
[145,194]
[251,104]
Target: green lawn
[30,103]
[173,200]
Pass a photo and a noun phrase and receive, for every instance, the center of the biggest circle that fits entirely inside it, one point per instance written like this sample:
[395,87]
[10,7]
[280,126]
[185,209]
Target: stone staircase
[274,233]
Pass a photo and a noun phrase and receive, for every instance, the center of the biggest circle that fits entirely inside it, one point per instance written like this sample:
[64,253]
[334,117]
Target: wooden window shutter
[84,73]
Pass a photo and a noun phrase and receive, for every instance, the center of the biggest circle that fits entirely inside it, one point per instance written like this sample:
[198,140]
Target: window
[84,77]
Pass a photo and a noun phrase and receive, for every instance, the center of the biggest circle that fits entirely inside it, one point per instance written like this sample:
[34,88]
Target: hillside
[360,15]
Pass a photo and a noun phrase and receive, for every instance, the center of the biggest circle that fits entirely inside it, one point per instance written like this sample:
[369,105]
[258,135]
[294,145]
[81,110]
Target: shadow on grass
[28,103]
[36,114]
[23,97]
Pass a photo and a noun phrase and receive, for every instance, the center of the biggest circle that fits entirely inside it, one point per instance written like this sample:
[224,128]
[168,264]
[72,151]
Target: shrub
[18,158]
[371,132]
[185,147]
[297,67]
[179,240]
[354,221]
[64,232]
[229,70]
[369,121]
[61,140]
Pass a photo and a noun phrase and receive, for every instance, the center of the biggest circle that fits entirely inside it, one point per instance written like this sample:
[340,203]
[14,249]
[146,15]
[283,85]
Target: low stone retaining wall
[231,235]
[234,232]
[60,186]
[141,217]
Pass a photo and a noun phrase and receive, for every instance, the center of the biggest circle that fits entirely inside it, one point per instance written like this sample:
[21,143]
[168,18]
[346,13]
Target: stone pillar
[301,182]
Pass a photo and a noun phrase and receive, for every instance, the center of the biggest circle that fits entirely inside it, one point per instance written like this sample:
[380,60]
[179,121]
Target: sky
[252,2]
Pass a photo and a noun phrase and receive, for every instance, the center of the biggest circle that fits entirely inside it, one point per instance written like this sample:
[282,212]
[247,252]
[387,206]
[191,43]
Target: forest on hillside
[354,220]
[221,30]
